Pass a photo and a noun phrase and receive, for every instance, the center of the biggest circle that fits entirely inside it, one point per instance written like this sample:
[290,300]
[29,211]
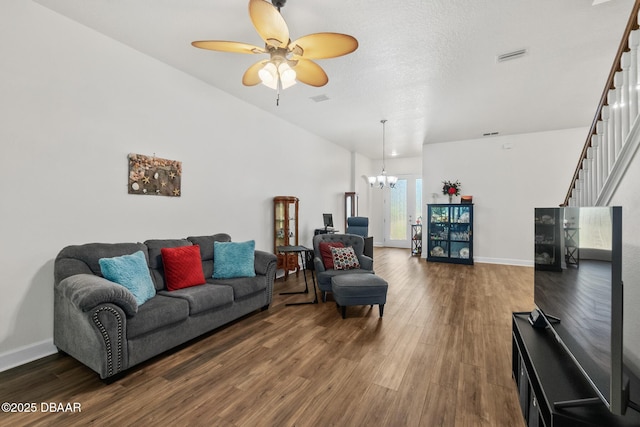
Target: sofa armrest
[318,264]
[262,261]
[87,291]
[366,263]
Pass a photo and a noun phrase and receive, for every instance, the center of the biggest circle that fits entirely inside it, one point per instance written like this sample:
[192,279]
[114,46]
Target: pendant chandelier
[383,179]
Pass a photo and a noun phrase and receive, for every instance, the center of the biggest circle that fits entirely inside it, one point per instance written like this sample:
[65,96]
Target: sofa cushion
[203,298]
[344,258]
[154,248]
[132,272]
[158,312]
[325,253]
[233,259]
[324,277]
[243,286]
[182,267]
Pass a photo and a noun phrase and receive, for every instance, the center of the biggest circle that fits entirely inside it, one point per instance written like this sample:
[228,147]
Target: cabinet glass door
[460,231]
[292,228]
[280,232]
[439,232]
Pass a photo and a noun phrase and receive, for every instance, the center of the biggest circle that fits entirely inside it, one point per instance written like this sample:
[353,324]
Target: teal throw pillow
[130,271]
[233,259]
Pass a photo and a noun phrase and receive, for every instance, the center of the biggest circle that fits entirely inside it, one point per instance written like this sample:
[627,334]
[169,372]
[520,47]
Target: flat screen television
[578,294]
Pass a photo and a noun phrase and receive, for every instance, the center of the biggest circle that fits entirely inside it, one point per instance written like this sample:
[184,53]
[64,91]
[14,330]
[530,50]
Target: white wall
[626,195]
[360,167]
[73,105]
[508,176]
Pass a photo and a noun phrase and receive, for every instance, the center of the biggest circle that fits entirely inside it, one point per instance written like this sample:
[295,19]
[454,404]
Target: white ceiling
[428,66]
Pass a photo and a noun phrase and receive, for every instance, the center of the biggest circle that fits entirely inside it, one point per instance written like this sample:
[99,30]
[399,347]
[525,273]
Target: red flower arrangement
[451,188]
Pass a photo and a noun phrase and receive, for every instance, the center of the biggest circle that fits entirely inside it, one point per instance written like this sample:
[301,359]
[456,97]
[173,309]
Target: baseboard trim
[504,261]
[26,354]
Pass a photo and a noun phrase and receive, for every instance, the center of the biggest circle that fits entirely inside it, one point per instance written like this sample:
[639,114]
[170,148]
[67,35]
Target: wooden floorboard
[440,356]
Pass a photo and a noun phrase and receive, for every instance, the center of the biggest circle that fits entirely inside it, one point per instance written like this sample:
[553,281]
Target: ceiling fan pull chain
[278,91]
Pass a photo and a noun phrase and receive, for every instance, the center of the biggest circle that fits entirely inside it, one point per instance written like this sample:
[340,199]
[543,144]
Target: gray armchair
[324,275]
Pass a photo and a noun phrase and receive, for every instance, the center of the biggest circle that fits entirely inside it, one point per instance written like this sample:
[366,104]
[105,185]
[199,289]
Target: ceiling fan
[289,60]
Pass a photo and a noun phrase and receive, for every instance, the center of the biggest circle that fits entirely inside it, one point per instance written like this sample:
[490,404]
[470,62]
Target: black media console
[545,374]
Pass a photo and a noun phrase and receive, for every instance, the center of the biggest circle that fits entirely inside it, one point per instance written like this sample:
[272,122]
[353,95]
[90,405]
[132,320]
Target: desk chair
[358,225]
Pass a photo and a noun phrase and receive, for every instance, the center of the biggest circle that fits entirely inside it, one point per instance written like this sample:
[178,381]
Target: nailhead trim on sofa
[107,340]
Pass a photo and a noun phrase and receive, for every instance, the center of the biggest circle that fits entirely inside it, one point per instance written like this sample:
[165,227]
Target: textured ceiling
[427,66]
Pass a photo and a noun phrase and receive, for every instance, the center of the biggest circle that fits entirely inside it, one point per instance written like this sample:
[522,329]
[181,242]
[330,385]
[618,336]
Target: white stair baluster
[596,165]
[614,122]
[634,42]
[617,111]
[604,141]
[580,188]
[623,84]
[588,175]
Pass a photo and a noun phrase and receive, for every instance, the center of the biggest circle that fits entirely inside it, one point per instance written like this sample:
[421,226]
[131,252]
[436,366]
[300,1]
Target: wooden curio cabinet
[285,231]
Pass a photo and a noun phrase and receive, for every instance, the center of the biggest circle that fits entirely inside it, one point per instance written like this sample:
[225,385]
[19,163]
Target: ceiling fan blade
[225,46]
[324,45]
[310,73]
[250,77]
[269,23]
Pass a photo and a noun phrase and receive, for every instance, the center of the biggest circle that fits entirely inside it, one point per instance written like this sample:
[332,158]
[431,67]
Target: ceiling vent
[511,55]
[320,98]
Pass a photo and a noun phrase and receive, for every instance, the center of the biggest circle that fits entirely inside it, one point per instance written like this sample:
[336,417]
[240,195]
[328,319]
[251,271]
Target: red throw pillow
[182,267]
[325,253]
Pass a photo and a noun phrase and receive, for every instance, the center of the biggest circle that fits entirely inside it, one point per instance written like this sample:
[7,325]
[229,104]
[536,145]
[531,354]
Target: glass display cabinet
[548,244]
[285,232]
[450,237]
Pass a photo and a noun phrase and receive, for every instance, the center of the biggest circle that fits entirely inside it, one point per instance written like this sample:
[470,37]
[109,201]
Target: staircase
[614,135]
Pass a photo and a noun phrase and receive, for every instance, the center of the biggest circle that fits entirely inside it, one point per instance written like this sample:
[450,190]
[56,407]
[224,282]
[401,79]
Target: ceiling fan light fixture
[290,61]
[269,75]
[287,75]
[277,77]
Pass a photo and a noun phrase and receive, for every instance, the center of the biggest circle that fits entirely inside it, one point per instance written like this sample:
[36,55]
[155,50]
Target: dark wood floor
[441,356]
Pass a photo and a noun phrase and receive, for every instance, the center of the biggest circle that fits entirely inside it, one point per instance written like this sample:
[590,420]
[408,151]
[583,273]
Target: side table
[305,254]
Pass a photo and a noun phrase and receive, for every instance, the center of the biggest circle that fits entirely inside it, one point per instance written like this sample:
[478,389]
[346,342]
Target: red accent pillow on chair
[182,267]
[325,253]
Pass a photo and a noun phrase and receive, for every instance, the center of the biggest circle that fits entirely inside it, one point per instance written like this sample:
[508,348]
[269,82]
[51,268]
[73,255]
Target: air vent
[320,98]
[511,55]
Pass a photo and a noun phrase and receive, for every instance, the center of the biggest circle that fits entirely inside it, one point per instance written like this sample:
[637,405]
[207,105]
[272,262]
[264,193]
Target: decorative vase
[450,198]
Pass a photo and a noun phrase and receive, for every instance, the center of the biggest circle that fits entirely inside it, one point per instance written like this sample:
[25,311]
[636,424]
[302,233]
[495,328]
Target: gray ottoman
[359,289]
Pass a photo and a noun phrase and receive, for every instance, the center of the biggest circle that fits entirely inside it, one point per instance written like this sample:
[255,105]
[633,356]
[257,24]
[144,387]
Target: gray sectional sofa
[99,323]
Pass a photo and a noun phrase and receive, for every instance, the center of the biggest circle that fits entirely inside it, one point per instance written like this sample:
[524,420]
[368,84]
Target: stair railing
[615,133]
